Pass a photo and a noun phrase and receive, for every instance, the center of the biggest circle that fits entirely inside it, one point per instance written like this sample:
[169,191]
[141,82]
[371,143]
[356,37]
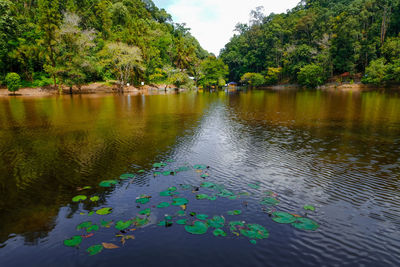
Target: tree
[253,79]
[13,82]
[213,72]
[311,76]
[272,76]
[376,72]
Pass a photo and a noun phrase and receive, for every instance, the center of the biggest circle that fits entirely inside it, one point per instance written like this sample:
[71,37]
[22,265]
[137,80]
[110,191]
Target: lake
[263,152]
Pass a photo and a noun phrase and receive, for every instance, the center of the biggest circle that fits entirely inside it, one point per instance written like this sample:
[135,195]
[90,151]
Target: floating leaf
[255,231]
[181,213]
[182,169]
[200,167]
[201,216]
[253,241]
[179,201]
[172,189]
[182,222]
[127,176]
[186,186]
[166,173]
[233,197]
[283,217]
[219,232]
[163,205]
[254,186]
[73,242]
[157,173]
[206,175]
[234,224]
[165,223]
[216,222]
[109,246]
[121,225]
[201,196]
[309,207]
[91,213]
[141,171]
[94,199]
[143,199]
[83,225]
[104,211]
[212,198]
[108,183]
[79,198]
[145,212]
[198,228]
[235,212]
[137,221]
[269,201]
[166,193]
[106,224]
[305,224]
[159,165]
[93,250]
[207,185]
[92,228]
[86,187]
[169,160]
[225,193]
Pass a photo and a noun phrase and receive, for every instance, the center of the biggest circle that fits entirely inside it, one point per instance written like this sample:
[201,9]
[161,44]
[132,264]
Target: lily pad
[145,212]
[202,196]
[166,173]
[233,197]
[163,205]
[139,222]
[127,176]
[182,222]
[73,242]
[179,201]
[305,224]
[83,225]
[201,216]
[94,199]
[219,232]
[166,193]
[92,228]
[207,185]
[200,167]
[157,173]
[121,225]
[253,241]
[186,186]
[309,207]
[254,186]
[255,231]
[181,213]
[212,198]
[198,228]
[283,217]
[269,201]
[206,175]
[182,169]
[159,165]
[79,198]
[108,183]
[86,187]
[216,222]
[141,171]
[95,249]
[165,223]
[143,199]
[91,213]
[235,212]
[106,224]
[104,211]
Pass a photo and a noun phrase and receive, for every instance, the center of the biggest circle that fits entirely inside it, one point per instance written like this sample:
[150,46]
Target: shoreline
[344,87]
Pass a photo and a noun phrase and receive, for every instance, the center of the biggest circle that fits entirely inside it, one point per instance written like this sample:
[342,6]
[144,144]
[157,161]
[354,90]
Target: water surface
[338,151]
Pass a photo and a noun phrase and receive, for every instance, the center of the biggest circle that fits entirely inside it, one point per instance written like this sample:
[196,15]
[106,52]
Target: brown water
[338,151]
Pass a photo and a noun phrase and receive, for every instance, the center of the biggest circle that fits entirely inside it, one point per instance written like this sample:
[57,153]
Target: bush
[376,72]
[253,79]
[311,76]
[13,81]
[272,76]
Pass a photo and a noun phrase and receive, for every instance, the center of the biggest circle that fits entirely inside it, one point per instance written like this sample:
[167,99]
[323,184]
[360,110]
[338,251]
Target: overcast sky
[212,21]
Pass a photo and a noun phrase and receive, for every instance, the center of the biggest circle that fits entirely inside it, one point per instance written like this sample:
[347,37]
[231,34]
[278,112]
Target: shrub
[253,79]
[376,72]
[311,76]
[13,82]
[272,76]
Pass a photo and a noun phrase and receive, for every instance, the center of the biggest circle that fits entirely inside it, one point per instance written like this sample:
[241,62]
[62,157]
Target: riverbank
[336,87]
[93,88]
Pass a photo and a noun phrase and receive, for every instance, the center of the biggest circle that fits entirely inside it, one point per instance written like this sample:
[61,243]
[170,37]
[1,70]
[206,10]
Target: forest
[75,42]
[316,42]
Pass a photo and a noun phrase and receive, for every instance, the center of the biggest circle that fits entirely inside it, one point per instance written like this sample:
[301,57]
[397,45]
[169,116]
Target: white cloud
[212,21]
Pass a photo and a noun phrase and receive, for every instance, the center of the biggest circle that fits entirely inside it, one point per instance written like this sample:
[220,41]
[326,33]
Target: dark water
[337,151]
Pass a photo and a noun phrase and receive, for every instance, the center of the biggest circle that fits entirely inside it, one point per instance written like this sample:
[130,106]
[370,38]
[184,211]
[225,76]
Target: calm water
[337,151]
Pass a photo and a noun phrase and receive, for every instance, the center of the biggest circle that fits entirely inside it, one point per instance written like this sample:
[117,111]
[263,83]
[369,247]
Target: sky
[212,21]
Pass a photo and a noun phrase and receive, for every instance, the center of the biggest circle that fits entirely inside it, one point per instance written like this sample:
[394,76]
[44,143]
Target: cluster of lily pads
[196,224]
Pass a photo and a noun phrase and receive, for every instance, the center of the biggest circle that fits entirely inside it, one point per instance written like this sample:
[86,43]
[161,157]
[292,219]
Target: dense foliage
[338,36]
[74,42]
[13,82]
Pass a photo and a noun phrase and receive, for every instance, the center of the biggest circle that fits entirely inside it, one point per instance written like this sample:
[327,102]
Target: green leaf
[182,169]
[127,176]
[79,198]
[86,187]
[254,186]
[255,231]
[106,224]
[95,249]
[84,225]
[206,175]
[202,196]
[165,223]
[181,213]
[172,189]
[73,242]
[182,221]
[159,165]
[141,171]
[309,207]
[269,201]
[91,213]
[121,225]
[283,217]
[234,224]
[200,167]
[92,228]
[305,224]
[145,212]
[235,212]
[166,193]
[108,183]
[94,199]
[198,228]
[143,200]
[201,216]
[208,185]
[104,211]
[163,205]
[216,222]
[137,221]
[219,232]
[212,198]
[253,241]
[179,201]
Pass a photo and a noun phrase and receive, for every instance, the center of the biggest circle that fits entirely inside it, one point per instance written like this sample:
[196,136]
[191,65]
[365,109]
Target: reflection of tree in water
[57,145]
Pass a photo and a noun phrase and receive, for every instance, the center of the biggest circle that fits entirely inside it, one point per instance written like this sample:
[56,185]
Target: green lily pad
[139,222]
[127,176]
[225,193]
[253,241]
[206,175]
[233,197]
[198,228]
[91,213]
[145,212]
[86,187]
[159,165]
[143,199]
[255,231]
[219,232]
[212,198]
[305,224]
[283,217]
[79,198]
[94,199]
[235,212]
[84,225]
[269,201]
[186,186]
[181,213]
[166,173]
[95,249]
[108,183]
[309,207]
[216,222]
[254,186]
[166,193]
[141,171]
[106,224]
[207,185]
[165,223]
[169,160]
[104,211]
[92,228]
[157,173]
[202,196]
[121,225]
[200,167]
[182,222]
[179,201]
[234,224]
[201,216]
[73,242]
[182,169]
[163,205]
